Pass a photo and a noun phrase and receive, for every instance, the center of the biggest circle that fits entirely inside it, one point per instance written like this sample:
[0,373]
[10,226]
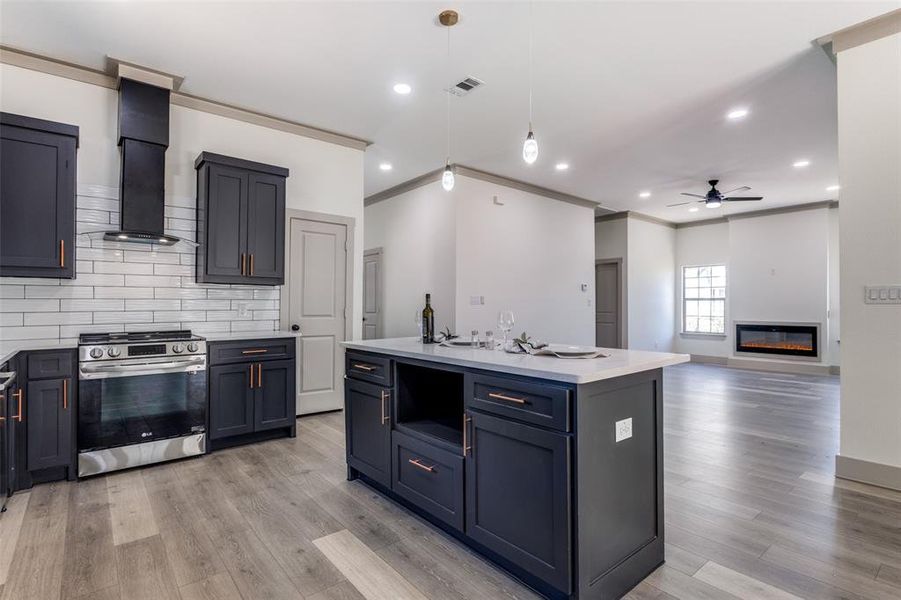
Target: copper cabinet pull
[255,351]
[259,375]
[251,264]
[2,397]
[415,462]
[65,394]
[364,368]
[18,396]
[466,421]
[383,400]
[62,254]
[243,262]
[507,398]
[251,376]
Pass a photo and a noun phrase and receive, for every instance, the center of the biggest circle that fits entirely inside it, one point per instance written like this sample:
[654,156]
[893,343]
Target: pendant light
[448,18]
[530,146]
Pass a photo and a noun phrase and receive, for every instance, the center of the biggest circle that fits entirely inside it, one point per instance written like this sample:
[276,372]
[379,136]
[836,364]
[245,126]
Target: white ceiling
[631,94]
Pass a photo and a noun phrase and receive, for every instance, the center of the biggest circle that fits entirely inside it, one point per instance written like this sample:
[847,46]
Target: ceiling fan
[715,198]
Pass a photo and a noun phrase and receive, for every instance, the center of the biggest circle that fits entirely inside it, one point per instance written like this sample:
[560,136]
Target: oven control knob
[192,347]
[178,348]
[114,352]
[96,352]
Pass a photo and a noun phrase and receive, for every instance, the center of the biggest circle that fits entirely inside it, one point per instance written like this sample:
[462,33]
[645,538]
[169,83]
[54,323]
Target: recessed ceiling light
[385,166]
[833,188]
[693,209]
[561,166]
[644,194]
[402,88]
[800,164]
[737,113]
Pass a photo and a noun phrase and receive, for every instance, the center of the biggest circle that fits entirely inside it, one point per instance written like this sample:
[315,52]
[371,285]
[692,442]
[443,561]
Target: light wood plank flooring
[752,511]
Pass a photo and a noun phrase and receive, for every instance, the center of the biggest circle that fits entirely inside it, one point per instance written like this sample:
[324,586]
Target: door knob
[295,327]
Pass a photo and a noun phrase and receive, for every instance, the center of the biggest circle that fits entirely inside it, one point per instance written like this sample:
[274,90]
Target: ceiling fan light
[447,179]
[530,148]
[714,204]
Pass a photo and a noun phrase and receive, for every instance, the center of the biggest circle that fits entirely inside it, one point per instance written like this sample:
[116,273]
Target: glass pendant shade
[447,179]
[530,148]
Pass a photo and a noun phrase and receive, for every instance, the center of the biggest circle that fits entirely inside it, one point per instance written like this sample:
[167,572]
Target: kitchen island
[551,468]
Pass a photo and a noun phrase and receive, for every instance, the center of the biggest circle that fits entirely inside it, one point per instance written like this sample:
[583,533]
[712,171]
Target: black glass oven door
[116,410]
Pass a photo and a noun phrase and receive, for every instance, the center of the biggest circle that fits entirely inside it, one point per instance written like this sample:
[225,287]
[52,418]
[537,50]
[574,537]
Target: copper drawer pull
[62,254]
[466,421]
[364,368]
[259,375]
[507,398]
[2,397]
[415,462]
[18,396]
[251,264]
[383,399]
[243,262]
[65,394]
[255,351]
[251,376]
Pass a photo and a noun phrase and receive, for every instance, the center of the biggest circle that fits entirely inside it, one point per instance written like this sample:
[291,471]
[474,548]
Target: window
[704,299]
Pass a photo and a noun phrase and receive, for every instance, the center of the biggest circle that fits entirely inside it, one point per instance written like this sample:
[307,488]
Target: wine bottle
[428,321]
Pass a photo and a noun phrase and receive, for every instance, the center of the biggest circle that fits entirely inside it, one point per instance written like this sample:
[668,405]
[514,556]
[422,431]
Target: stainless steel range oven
[141,399]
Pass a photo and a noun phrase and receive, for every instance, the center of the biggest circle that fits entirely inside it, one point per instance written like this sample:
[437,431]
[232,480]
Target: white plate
[567,350]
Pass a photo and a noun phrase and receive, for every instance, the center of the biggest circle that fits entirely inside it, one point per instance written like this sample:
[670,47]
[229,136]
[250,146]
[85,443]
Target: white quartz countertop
[248,335]
[575,370]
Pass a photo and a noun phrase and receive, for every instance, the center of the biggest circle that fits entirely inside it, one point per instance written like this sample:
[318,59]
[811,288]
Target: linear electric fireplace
[779,339]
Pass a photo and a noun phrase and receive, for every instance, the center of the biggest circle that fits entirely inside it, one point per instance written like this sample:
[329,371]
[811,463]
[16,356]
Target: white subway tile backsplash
[60,318]
[93,304]
[155,304]
[30,305]
[123,292]
[121,286]
[124,268]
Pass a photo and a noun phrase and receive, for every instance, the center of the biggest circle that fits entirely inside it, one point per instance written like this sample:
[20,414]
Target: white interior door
[372,294]
[316,303]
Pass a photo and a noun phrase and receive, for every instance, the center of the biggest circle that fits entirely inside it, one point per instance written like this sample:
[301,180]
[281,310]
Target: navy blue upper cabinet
[37,197]
[240,221]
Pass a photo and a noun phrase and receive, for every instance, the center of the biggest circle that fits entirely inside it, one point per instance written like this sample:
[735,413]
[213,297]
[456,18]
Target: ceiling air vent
[462,88]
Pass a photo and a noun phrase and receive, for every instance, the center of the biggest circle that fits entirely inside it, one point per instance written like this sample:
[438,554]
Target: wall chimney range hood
[143,140]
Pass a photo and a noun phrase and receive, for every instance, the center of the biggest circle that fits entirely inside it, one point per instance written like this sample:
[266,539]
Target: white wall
[530,255]
[417,233]
[650,268]
[777,269]
[869,134]
[324,177]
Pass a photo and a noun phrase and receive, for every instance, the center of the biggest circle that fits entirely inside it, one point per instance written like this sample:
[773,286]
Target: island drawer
[368,367]
[429,477]
[251,350]
[528,401]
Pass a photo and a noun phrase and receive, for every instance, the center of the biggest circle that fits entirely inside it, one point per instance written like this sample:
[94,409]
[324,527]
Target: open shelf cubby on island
[550,468]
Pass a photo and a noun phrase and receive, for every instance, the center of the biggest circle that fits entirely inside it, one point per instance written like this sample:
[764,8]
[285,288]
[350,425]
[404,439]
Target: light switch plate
[882,294]
[476,300]
[623,429]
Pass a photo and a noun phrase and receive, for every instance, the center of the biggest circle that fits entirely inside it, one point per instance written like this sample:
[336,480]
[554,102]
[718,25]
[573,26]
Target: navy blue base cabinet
[527,472]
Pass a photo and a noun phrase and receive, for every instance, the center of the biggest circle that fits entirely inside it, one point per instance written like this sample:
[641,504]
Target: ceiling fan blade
[679,204]
[694,195]
[743,199]
[743,188]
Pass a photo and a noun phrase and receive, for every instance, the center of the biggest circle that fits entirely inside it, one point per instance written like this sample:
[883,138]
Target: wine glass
[505,323]
[417,320]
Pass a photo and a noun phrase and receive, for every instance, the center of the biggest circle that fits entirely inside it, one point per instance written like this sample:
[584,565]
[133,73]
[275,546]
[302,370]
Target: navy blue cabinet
[368,418]
[49,423]
[231,400]
[274,404]
[37,197]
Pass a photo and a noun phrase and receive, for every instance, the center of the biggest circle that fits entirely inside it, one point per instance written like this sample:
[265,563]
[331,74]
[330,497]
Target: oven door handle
[176,366]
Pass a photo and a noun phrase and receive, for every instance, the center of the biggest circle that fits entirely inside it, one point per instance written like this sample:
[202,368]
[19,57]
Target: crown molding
[136,72]
[761,213]
[862,33]
[61,68]
[462,170]
[631,214]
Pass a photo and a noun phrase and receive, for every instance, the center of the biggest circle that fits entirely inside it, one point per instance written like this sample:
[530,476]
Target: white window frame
[685,331]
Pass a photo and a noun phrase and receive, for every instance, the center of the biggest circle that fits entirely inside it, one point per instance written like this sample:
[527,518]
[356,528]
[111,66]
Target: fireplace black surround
[777,339]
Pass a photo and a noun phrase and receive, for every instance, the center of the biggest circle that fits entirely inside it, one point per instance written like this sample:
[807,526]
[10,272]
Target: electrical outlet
[623,429]
[243,310]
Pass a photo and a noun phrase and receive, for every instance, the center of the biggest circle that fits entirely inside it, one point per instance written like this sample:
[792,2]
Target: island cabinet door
[518,496]
[231,400]
[367,414]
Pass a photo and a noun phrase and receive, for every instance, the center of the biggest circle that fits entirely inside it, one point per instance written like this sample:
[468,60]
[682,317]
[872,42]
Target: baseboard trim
[835,370]
[864,471]
[766,365]
[710,360]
